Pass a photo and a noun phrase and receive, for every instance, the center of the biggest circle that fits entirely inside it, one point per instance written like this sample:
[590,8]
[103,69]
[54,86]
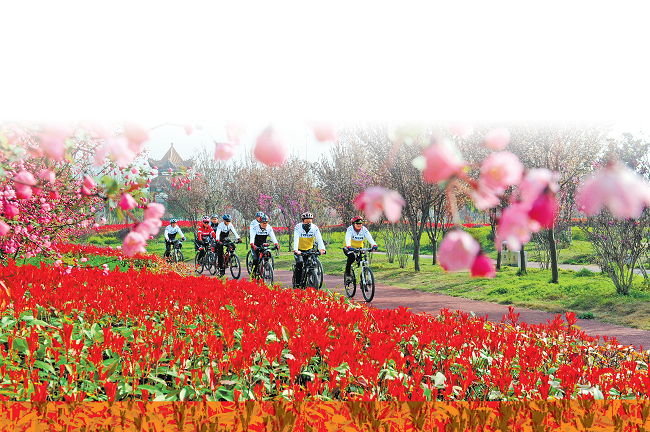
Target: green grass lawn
[580,292]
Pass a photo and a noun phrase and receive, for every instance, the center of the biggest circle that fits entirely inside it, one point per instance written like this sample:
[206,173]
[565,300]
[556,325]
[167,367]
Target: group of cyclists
[305,235]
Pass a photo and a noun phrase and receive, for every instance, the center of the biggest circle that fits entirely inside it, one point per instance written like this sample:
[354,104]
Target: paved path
[389,297]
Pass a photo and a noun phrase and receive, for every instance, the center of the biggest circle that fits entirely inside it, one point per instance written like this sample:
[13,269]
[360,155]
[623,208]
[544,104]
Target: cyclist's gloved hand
[275,245]
[183,239]
[322,251]
[297,252]
[253,246]
[239,240]
[348,248]
[374,248]
[218,243]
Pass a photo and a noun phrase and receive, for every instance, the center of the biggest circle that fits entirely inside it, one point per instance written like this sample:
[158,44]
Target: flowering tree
[48,187]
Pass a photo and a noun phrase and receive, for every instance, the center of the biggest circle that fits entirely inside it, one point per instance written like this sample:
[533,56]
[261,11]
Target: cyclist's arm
[296,237]
[272,234]
[217,232]
[181,232]
[234,231]
[166,235]
[252,234]
[369,238]
[348,237]
[319,239]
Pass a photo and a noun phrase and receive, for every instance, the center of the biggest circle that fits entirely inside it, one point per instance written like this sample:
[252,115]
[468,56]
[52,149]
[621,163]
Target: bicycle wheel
[198,265]
[212,263]
[320,273]
[175,255]
[267,273]
[312,279]
[235,267]
[272,261]
[368,290]
[249,261]
[350,284]
[181,258]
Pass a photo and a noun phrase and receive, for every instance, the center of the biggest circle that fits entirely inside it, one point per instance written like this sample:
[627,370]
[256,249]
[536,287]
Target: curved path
[390,297]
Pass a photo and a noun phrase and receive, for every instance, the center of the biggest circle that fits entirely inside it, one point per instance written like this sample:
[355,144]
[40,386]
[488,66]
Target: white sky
[284,62]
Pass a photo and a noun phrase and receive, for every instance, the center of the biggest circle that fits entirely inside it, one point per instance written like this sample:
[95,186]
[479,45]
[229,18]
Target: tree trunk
[522,260]
[553,251]
[499,259]
[435,254]
[416,254]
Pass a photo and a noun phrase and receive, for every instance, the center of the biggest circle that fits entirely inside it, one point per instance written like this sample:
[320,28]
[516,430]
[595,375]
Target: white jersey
[223,230]
[259,234]
[304,240]
[171,232]
[355,239]
[254,222]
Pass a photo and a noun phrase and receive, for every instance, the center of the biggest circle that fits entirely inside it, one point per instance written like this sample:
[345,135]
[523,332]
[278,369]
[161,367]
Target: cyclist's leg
[350,261]
[203,247]
[167,247]
[298,271]
[256,261]
[220,256]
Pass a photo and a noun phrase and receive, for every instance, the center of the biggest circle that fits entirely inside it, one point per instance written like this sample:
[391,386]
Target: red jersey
[205,231]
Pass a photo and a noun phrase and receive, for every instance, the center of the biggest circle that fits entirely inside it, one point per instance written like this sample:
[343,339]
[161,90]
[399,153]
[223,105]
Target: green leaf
[20,345]
[44,366]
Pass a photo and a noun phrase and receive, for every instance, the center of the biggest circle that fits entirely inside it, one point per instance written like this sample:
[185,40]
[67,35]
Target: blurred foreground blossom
[616,187]
[497,139]
[458,251]
[483,266]
[134,243]
[189,128]
[324,131]
[223,151]
[375,200]
[271,148]
[442,161]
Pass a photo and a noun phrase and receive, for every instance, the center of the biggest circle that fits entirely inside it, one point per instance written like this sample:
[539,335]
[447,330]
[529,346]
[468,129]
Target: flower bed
[141,335]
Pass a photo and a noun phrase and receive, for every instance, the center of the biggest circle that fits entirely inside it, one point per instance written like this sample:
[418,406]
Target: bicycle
[249,260]
[366,277]
[230,258]
[265,264]
[208,261]
[175,254]
[309,277]
[319,269]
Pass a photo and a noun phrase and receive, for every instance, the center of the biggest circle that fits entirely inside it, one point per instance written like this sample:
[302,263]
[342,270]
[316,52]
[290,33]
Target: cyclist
[203,238]
[221,233]
[256,221]
[354,237]
[214,222]
[170,234]
[303,240]
[258,234]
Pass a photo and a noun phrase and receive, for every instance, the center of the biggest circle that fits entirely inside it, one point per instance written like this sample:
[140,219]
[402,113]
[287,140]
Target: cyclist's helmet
[172,220]
[357,219]
[259,214]
[264,218]
[214,216]
[306,215]
[227,217]
[206,219]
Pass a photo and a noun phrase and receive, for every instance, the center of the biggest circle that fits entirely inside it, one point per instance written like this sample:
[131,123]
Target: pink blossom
[189,128]
[99,129]
[135,170]
[514,227]
[99,156]
[223,151]
[127,202]
[536,182]
[500,170]
[457,251]
[4,228]
[136,135]
[89,182]
[235,130]
[325,131]
[375,200]
[484,198]
[85,191]
[497,139]
[134,243]
[442,162]
[154,211]
[616,187]
[148,227]
[11,211]
[102,220]
[83,259]
[24,181]
[47,175]
[119,150]
[46,207]
[483,267]
[543,210]
[52,146]
[461,128]
[270,148]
